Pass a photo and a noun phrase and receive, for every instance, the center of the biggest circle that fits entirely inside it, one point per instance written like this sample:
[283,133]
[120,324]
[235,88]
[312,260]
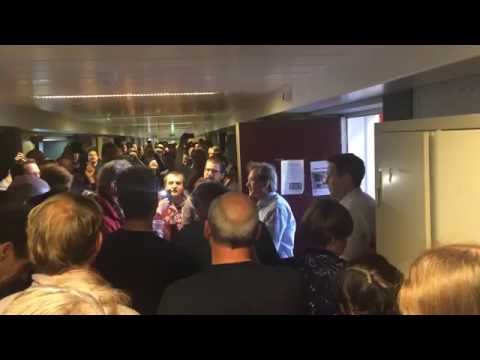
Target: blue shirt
[275,212]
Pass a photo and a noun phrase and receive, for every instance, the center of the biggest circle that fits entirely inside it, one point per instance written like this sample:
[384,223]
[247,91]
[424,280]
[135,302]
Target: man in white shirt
[273,210]
[345,174]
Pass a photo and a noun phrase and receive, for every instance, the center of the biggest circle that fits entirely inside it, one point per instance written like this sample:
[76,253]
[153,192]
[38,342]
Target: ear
[207,230]
[98,244]
[5,250]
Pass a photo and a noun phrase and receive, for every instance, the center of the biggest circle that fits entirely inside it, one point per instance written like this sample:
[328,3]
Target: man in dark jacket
[234,283]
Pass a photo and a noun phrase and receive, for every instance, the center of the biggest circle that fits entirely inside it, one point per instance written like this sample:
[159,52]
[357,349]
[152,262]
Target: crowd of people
[165,229]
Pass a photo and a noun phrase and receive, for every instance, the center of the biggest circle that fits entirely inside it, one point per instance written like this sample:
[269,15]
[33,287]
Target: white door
[403,190]
[455,192]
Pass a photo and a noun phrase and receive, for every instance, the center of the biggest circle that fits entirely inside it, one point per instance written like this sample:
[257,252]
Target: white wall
[361,142]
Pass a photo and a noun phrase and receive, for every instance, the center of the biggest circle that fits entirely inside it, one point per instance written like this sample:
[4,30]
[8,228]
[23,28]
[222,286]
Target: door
[455,168]
[403,196]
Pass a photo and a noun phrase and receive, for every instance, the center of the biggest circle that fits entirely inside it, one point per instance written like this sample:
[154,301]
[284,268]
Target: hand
[163,207]
[19,156]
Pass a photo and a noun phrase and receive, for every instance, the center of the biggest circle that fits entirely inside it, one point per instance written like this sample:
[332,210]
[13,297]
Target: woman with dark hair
[324,230]
[369,286]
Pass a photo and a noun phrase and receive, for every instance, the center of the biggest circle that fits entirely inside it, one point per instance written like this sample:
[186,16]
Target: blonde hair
[444,280]
[75,292]
[62,232]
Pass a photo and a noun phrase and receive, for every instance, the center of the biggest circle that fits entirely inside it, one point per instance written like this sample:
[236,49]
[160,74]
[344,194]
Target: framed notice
[292,177]
[318,171]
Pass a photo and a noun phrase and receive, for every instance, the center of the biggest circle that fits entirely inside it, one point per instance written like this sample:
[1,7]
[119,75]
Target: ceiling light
[98,96]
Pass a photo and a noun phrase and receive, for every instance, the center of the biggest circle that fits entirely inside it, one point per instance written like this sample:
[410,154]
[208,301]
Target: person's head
[30,167]
[13,240]
[369,286]
[173,182]
[93,156]
[198,159]
[232,222]
[57,177]
[64,232]
[76,292]
[108,175]
[214,150]
[24,187]
[443,281]
[124,149]
[215,168]
[51,300]
[345,173]
[203,195]
[137,191]
[159,149]
[66,163]
[262,179]
[110,152]
[36,155]
[326,224]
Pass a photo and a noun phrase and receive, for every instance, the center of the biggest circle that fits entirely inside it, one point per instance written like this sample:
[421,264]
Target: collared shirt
[362,209]
[275,212]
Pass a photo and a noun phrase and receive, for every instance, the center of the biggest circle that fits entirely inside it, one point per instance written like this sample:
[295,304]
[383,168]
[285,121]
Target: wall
[453,97]
[271,140]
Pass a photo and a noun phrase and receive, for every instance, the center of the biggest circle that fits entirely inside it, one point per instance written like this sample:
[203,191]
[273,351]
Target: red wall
[273,140]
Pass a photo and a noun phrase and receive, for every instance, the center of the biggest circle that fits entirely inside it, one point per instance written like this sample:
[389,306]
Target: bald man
[234,284]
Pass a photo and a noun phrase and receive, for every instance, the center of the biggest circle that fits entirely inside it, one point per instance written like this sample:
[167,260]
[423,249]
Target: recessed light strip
[98,96]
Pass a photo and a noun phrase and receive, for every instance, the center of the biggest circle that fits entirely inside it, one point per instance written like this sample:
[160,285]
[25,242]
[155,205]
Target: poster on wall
[318,171]
[293,177]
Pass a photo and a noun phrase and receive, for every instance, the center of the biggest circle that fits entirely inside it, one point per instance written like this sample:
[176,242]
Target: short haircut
[324,221]
[110,152]
[62,232]
[228,232]
[175,173]
[137,191]
[443,281]
[13,222]
[349,164]
[24,187]
[203,195]
[109,173]
[220,160]
[370,286]
[18,167]
[199,158]
[266,173]
[36,155]
[56,176]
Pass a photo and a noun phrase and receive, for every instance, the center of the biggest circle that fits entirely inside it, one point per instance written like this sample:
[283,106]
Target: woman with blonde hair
[443,281]
[64,237]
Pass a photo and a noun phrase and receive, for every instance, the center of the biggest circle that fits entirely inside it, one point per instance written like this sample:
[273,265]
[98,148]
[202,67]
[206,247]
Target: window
[361,142]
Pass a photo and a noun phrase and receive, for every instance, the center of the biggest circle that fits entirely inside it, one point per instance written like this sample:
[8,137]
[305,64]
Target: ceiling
[242,76]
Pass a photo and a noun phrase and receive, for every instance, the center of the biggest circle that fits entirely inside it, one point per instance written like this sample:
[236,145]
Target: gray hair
[109,173]
[224,231]
[265,173]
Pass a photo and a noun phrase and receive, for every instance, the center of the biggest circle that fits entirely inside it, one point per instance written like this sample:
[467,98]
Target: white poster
[319,170]
[293,177]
